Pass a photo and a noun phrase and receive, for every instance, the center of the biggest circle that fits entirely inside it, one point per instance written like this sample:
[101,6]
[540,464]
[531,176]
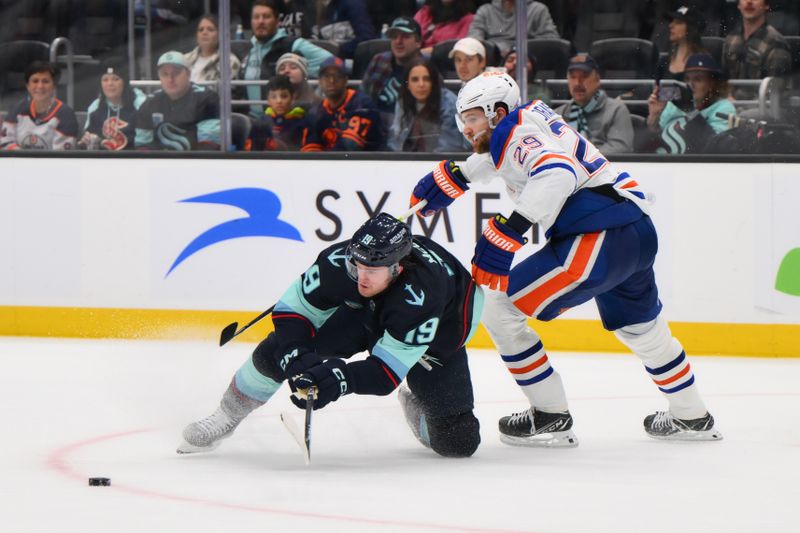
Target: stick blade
[227,333]
[294,431]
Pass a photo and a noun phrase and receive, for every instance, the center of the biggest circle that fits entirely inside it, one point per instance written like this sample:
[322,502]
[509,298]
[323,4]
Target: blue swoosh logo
[262,207]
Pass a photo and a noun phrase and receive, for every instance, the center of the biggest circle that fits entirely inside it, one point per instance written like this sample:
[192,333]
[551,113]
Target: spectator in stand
[284,125]
[346,120]
[688,132]
[269,44]
[295,68]
[297,17]
[383,78]
[536,89]
[203,61]
[605,121]
[756,49]
[685,29]
[424,119]
[40,121]
[443,20]
[181,115]
[345,22]
[111,118]
[469,58]
[497,23]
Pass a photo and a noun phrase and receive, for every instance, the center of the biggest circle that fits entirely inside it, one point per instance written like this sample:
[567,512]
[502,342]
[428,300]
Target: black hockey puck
[99,482]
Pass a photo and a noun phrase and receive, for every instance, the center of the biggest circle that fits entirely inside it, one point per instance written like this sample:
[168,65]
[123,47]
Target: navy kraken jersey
[427,309]
[189,123]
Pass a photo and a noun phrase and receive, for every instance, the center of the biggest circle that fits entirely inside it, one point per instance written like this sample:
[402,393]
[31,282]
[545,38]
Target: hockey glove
[440,187]
[295,363]
[331,380]
[494,253]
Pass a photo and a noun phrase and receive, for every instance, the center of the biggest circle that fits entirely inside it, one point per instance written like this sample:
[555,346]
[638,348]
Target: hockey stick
[230,331]
[303,439]
[419,205]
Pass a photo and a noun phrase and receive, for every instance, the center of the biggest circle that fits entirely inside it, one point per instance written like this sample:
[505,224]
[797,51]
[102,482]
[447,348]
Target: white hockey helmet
[485,91]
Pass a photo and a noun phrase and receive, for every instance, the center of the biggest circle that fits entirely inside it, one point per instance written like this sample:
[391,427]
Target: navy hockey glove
[439,188]
[331,380]
[494,253]
[295,363]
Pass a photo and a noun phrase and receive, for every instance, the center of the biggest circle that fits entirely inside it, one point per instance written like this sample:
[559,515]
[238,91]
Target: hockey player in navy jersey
[405,300]
[601,245]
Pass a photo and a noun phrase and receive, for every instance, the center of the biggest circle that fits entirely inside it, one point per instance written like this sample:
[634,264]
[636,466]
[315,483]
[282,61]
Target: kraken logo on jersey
[173,137]
[261,205]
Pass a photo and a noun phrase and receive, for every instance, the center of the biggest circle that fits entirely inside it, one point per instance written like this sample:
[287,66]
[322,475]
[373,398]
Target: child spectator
[40,121]
[346,120]
[295,68]
[284,126]
[443,20]
[111,117]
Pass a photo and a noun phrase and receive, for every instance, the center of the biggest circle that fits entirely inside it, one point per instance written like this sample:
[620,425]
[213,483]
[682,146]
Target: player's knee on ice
[454,436]
[264,359]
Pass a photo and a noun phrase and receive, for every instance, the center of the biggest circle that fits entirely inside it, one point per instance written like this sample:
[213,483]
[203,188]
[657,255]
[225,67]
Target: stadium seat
[331,46]
[364,53]
[240,130]
[240,48]
[552,57]
[15,57]
[794,47]
[714,47]
[784,21]
[625,58]
[441,51]
[605,19]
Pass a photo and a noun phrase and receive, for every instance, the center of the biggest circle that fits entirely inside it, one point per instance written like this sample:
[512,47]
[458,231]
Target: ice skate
[414,415]
[538,429]
[662,425]
[207,434]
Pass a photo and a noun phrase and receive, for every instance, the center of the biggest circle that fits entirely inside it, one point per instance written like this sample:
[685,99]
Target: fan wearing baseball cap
[688,132]
[469,58]
[384,75]
[685,29]
[181,115]
[605,121]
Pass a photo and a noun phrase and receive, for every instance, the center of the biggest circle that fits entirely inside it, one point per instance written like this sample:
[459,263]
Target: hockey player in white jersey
[601,244]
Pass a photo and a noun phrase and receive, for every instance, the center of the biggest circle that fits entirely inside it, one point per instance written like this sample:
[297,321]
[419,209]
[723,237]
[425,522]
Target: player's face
[41,87]
[263,22]
[174,80]
[476,129]
[280,101]
[419,83]
[677,30]
[291,71]
[372,280]
[467,67]
[701,84]
[404,45]
[583,85]
[112,86]
[207,35]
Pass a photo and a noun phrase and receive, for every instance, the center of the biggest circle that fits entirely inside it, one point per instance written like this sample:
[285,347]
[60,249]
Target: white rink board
[104,232]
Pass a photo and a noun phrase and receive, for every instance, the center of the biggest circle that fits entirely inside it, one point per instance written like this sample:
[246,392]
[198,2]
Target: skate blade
[185,448]
[690,436]
[558,439]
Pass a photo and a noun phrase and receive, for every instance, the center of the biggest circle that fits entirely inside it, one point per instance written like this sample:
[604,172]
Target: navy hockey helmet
[380,241]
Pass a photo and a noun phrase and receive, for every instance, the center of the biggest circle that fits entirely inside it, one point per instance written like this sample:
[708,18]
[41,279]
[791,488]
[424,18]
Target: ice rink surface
[73,409]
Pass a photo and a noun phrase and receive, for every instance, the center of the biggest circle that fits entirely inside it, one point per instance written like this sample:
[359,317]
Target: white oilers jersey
[57,129]
[543,161]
